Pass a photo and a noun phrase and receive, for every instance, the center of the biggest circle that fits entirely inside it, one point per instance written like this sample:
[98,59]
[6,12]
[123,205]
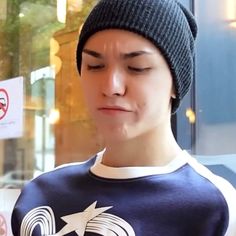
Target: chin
[116,134]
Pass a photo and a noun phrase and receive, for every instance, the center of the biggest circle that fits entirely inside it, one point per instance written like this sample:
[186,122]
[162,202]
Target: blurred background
[38,40]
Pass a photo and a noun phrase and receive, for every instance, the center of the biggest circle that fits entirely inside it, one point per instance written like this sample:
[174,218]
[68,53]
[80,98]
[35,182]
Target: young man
[135,58]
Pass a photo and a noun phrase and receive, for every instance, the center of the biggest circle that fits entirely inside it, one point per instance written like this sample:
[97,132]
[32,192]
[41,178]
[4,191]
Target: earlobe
[173,96]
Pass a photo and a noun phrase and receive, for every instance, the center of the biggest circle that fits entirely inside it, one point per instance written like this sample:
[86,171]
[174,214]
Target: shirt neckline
[108,172]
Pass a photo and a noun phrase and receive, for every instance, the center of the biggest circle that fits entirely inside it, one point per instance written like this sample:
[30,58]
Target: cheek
[144,106]
[152,101]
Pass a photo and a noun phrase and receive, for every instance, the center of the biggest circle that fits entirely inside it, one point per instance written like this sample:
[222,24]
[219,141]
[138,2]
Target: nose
[113,83]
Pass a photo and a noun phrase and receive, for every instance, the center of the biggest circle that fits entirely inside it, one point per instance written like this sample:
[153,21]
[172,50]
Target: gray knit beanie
[166,23]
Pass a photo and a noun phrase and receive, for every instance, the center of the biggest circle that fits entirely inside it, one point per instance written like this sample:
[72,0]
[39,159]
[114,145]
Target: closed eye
[95,67]
[138,69]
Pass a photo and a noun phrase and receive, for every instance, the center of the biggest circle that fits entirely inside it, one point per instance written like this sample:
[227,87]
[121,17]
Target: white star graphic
[77,222]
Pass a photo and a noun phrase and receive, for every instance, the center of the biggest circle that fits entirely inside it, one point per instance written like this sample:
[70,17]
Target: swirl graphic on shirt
[92,219]
[42,216]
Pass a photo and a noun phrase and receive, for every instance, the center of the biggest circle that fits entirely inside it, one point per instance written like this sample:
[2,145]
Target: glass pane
[41,49]
[215,82]
[216,87]
[38,39]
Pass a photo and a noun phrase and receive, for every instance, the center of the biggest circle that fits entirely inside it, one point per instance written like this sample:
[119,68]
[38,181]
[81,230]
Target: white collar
[104,171]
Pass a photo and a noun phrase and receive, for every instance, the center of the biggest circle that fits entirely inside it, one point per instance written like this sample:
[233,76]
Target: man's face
[127,84]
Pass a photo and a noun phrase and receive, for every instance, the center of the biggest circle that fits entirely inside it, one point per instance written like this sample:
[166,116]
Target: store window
[216,73]
[215,87]
[37,48]
[205,124]
[38,41]
[40,48]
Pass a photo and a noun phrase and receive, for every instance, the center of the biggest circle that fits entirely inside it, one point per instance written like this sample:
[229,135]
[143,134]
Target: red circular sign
[4,103]
[3,226]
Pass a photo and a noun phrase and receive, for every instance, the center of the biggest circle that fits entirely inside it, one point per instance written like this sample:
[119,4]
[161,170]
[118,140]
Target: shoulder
[69,170]
[59,177]
[223,185]
[49,188]
[225,189]
[48,185]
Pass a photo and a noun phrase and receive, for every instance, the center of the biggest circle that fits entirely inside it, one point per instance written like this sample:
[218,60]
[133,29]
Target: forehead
[122,40]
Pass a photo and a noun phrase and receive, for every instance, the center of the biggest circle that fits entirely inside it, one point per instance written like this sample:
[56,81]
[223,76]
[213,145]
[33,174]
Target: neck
[157,147]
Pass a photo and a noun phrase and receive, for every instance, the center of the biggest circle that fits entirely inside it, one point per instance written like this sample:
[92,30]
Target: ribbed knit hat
[166,23]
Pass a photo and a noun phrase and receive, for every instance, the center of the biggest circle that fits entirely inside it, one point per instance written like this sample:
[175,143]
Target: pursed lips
[113,109]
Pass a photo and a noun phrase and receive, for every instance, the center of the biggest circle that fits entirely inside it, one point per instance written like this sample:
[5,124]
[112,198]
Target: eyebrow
[92,53]
[135,54]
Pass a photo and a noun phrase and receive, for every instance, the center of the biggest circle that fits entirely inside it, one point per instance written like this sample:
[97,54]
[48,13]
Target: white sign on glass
[11,108]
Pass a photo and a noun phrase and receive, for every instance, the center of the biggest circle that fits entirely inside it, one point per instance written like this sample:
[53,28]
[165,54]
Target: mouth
[111,110]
